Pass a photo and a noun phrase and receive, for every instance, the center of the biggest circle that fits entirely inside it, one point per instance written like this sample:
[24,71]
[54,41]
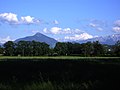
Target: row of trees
[87,49]
[33,48]
[25,48]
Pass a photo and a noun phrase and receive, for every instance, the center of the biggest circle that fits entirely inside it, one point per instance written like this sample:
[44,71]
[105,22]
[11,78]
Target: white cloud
[3,40]
[66,31]
[45,30]
[77,31]
[10,18]
[116,26]
[58,30]
[116,29]
[82,36]
[55,30]
[92,25]
[29,20]
[55,22]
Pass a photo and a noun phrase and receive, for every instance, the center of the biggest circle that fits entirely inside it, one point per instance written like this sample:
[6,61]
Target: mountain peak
[38,34]
[40,38]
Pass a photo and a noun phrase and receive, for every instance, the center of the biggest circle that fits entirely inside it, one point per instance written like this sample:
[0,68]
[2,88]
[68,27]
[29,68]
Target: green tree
[22,48]
[1,50]
[45,48]
[76,49]
[98,49]
[61,48]
[37,48]
[117,48]
[87,49]
[69,48]
[9,48]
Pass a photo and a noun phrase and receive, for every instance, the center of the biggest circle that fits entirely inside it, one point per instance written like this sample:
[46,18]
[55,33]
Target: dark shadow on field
[102,76]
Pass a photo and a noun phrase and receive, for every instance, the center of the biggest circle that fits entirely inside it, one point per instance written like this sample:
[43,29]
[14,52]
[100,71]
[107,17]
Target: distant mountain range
[110,40]
[40,38]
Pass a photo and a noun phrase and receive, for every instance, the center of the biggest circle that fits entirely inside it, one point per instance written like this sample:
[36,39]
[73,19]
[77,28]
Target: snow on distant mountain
[110,40]
[40,38]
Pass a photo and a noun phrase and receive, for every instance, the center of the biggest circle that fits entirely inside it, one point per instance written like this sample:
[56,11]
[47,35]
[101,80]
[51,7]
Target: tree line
[34,48]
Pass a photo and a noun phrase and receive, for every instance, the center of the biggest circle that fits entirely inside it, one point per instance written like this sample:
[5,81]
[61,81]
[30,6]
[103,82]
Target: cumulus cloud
[55,30]
[116,29]
[12,18]
[66,31]
[3,40]
[29,20]
[116,26]
[58,30]
[82,36]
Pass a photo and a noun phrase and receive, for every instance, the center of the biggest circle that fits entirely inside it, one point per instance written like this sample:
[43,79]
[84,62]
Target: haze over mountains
[110,40]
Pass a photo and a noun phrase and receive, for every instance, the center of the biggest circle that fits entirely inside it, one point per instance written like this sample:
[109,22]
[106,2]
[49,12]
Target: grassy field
[59,73]
[55,57]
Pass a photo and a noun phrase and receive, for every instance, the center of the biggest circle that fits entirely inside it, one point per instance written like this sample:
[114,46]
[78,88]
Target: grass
[50,86]
[56,57]
[100,60]
[59,73]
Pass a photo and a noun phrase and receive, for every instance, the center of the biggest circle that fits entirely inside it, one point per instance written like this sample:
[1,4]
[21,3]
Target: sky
[63,20]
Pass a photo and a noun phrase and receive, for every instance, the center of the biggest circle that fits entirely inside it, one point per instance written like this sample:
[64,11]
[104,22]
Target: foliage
[61,48]
[9,48]
[34,48]
[25,48]
[117,48]
[1,50]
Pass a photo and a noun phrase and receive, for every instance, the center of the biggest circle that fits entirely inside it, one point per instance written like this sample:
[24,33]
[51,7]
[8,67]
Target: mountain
[110,40]
[40,38]
[1,44]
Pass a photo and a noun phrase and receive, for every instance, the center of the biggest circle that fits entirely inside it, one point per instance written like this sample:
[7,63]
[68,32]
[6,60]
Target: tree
[45,48]
[87,49]
[61,48]
[76,49]
[22,48]
[117,48]
[1,50]
[98,49]
[9,48]
[69,48]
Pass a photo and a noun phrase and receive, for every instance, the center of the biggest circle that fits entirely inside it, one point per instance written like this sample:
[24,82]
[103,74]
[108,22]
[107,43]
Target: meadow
[59,73]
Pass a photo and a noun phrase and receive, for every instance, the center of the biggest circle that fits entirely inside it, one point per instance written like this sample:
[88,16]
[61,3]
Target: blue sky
[64,20]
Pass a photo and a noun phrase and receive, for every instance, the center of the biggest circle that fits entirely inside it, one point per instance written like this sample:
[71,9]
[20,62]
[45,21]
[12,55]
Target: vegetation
[68,66]
[59,73]
[33,48]
[51,86]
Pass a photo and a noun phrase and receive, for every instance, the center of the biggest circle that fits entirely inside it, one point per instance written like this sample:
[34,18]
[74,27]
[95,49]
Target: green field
[59,73]
[55,57]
